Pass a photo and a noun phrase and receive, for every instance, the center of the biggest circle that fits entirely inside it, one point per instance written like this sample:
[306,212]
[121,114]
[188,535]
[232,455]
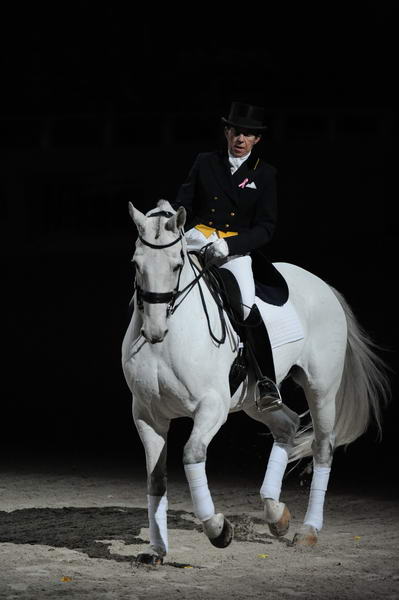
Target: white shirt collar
[236,161]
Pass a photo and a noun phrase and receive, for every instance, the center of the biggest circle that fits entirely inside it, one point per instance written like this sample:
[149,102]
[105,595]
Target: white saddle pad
[282,323]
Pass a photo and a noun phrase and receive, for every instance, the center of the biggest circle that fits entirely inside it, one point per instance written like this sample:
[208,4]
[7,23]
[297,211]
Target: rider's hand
[217,250]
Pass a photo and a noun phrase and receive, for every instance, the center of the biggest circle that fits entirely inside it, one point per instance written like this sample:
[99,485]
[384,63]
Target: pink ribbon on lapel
[243,183]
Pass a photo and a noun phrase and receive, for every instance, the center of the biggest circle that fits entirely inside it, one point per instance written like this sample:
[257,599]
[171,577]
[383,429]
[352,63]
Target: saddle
[274,292]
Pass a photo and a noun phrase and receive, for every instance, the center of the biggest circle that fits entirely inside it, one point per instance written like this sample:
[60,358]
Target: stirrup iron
[267,395]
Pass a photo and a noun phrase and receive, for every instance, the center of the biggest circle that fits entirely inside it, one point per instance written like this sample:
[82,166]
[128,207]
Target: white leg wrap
[271,486]
[314,514]
[157,516]
[200,495]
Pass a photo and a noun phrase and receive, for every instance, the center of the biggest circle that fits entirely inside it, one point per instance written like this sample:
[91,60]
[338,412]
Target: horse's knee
[194,452]
[207,422]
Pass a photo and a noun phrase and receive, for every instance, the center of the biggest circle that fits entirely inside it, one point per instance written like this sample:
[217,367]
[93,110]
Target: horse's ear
[137,216]
[177,221]
[181,216]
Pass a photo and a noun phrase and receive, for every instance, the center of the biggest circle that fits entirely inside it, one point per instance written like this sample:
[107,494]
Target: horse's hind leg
[208,419]
[283,424]
[153,438]
[322,409]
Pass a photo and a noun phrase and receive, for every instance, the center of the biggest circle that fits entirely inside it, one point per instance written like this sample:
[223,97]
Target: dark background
[102,106]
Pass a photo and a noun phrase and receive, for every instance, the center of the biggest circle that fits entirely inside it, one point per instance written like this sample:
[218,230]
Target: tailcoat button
[227,225]
[210,222]
[232,214]
[213,210]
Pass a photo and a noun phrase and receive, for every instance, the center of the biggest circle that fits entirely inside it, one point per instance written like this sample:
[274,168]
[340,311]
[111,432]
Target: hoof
[277,516]
[225,536]
[281,527]
[306,537]
[144,558]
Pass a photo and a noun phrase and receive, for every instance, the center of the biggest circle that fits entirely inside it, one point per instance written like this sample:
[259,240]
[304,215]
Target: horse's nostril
[153,339]
[156,339]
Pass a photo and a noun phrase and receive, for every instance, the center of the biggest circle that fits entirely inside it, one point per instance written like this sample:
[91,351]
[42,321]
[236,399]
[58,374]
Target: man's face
[240,141]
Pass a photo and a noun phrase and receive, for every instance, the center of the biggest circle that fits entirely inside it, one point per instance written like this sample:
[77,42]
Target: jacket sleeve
[263,221]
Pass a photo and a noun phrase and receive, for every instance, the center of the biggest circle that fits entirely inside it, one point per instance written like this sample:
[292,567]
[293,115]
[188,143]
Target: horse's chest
[156,382]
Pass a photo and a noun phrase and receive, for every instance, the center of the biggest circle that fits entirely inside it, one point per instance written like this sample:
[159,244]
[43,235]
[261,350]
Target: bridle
[170,298]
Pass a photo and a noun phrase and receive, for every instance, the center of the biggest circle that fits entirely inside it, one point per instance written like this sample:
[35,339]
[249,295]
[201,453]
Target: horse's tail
[363,392]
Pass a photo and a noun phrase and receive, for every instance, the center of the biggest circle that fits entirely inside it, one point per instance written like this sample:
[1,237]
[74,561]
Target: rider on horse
[230,200]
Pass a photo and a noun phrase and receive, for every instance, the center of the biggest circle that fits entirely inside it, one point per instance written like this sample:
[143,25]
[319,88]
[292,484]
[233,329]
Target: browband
[160,246]
[161,213]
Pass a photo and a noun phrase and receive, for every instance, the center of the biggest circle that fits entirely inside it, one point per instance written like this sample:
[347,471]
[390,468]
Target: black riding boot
[261,359]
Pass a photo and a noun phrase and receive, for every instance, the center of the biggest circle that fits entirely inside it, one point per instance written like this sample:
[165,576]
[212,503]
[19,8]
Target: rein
[170,298]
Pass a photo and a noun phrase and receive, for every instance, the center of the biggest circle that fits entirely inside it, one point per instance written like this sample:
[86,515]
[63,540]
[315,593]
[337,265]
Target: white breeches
[240,266]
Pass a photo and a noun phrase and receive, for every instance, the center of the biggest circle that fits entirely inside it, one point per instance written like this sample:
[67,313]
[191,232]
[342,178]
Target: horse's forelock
[165,205]
[161,205]
[153,226]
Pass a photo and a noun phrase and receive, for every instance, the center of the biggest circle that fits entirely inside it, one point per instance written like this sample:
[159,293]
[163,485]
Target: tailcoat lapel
[230,183]
[245,171]
[221,169]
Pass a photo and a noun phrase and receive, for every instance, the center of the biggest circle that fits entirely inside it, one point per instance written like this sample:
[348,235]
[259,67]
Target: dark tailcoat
[213,197]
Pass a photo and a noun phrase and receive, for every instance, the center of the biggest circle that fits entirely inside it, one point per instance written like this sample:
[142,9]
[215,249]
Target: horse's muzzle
[154,338]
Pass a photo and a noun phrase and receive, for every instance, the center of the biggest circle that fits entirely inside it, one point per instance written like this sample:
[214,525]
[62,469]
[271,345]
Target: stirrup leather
[267,395]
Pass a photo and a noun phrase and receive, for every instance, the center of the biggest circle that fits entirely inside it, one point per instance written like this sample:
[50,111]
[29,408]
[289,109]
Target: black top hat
[246,116]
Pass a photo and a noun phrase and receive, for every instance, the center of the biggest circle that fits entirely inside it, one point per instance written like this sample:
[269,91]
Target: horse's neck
[200,311]
[189,272]
[191,303]
[191,268]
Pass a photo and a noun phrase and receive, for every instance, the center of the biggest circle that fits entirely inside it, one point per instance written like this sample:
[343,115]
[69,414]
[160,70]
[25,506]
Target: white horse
[174,368]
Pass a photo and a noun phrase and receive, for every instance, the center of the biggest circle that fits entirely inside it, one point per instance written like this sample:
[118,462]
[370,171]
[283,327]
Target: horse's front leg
[209,417]
[153,436]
